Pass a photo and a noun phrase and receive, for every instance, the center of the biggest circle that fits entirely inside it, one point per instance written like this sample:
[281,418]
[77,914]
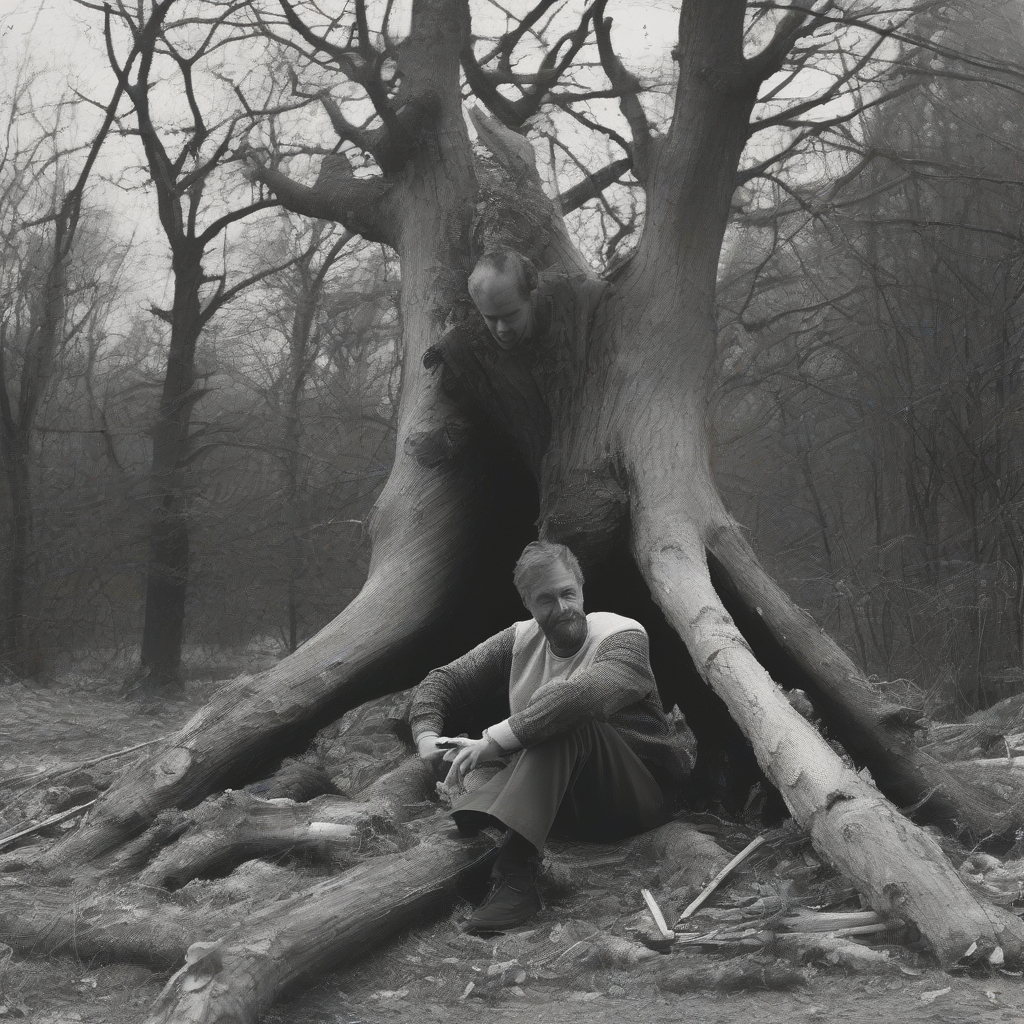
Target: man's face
[507,312]
[556,603]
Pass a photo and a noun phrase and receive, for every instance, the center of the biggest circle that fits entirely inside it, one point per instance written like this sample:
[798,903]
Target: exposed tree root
[422,548]
[127,925]
[899,868]
[235,827]
[237,977]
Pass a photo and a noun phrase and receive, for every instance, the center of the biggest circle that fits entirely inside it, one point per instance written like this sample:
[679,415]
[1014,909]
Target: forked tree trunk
[627,464]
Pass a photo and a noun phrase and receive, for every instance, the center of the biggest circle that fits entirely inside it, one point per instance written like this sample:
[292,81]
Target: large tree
[615,464]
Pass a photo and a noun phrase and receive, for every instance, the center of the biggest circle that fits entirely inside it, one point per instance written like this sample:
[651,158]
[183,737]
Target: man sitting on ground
[597,758]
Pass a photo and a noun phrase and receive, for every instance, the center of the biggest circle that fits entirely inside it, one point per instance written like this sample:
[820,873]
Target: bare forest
[241,515]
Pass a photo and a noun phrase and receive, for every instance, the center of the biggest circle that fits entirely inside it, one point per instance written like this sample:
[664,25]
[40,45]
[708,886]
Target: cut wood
[659,917]
[814,921]
[715,882]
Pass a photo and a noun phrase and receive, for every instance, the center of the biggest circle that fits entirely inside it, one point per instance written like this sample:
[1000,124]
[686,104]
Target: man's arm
[478,678]
[619,675]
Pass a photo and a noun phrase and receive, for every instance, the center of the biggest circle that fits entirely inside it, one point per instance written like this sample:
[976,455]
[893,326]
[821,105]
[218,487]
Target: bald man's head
[501,286]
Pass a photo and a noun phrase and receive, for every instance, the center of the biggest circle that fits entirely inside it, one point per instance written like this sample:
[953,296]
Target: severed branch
[721,877]
[40,825]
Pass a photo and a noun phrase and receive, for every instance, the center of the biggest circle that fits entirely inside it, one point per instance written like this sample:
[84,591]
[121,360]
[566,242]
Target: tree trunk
[298,356]
[163,628]
[14,641]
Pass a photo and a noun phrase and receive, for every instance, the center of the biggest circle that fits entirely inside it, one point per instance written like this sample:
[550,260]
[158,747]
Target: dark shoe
[512,901]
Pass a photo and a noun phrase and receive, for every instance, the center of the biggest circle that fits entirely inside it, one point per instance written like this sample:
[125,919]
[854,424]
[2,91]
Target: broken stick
[721,876]
[659,917]
[40,825]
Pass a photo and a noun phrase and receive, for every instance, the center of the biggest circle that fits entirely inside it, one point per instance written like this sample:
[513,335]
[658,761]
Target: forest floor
[551,971]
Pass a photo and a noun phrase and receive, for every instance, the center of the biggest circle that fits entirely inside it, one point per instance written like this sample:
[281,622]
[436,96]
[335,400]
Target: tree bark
[898,867]
[163,627]
[13,644]
[236,978]
[237,827]
[877,733]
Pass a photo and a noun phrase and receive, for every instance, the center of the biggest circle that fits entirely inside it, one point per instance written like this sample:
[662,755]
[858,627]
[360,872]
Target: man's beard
[569,632]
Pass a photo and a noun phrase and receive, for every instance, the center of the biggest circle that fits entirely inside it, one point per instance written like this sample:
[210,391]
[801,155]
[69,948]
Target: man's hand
[475,752]
[427,748]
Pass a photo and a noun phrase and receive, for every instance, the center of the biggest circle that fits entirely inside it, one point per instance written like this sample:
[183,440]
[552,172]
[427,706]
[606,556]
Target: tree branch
[362,205]
[793,25]
[229,218]
[593,185]
[629,88]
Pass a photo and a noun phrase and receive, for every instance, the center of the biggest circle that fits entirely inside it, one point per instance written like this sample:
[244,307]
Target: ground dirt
[555,970]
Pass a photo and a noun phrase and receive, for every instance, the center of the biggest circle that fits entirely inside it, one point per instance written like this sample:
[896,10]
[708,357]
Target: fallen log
[876,731]
[897,866]
[233,980]
[130,925]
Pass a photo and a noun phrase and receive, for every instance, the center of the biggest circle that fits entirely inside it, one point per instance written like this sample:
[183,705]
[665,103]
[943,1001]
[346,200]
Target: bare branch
[794,24]
[362,205]
[558,58]
[593,185]
[629,89]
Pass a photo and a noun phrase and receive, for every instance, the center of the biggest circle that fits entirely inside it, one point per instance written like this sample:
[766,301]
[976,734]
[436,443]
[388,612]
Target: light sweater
[514,674]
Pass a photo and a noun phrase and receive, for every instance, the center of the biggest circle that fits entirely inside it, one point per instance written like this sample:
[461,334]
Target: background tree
[879,341]
[46,300]
[312,374]
[186,152]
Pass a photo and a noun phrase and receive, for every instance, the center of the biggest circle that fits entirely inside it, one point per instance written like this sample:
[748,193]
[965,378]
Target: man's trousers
[585,784]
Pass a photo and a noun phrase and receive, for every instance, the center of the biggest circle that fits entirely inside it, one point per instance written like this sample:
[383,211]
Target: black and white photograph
[512,511]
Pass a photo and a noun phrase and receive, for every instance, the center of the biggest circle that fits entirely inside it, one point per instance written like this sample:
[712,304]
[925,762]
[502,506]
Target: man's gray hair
[503,259]
[538,557]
